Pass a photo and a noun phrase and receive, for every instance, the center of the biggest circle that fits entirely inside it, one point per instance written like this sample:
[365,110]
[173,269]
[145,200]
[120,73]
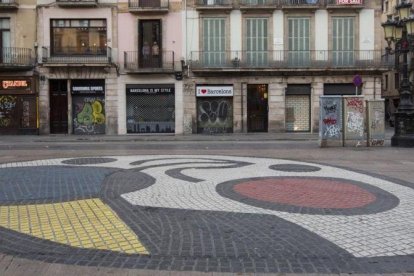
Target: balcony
[345,4]
[282,61]
[8,5]
[301,4]
[75,56]
[148,6]
[258,4]
[214,4]
[77,3]
[134,62]
[15,59]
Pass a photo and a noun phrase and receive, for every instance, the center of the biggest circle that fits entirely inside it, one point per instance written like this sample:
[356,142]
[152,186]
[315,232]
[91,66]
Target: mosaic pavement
[206,213]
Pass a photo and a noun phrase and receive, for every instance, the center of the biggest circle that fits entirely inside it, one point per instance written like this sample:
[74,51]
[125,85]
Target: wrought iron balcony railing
[214,4]
[8,4]
[223,4]
[136,62]
[76,55]
[12,57]
[148,5]
[77,3]
[258,3]
[301,3]
[289,60]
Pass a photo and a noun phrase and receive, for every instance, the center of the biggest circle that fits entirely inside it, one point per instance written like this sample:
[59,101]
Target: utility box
[330,121]
[375,123]
[354,121]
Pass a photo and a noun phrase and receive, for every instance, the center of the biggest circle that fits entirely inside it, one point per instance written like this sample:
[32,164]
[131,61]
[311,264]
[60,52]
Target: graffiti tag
[330,108]
[355,123]
[7,103]
[376,142]
[329,121]
[332,131]
[355,103]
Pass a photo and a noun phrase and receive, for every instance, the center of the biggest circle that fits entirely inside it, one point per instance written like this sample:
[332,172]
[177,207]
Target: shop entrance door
[58,107]
[257,108]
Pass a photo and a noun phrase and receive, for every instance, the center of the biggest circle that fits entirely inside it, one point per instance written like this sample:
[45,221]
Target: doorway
[149,41]
[257,107]
[58,107]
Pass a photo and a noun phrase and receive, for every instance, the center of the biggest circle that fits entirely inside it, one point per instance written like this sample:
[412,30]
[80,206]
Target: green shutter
[213,41]
[343,41]
[256,42]
[299,42]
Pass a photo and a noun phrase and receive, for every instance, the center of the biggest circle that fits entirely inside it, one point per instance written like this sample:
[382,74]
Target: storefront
[150,108]
[18,106]
[88,105]
[298,107]
[214,109]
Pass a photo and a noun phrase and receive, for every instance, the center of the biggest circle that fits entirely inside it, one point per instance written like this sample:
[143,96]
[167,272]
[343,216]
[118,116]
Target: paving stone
[188,220]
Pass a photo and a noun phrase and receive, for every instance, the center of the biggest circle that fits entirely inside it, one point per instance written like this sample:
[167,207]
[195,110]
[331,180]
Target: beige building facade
[18,80]
[277,58]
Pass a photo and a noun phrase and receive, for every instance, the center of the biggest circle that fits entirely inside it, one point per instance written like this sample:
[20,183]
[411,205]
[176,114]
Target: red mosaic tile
[307,192]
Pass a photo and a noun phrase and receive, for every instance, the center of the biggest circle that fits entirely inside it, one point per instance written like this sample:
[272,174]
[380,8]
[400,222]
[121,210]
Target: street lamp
[401,32]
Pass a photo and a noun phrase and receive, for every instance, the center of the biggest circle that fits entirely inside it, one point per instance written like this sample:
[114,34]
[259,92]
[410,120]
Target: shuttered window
[214,41]
[343,41]
[256,42]
[299,41]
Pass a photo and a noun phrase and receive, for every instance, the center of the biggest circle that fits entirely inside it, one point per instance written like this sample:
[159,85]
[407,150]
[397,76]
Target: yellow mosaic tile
[87,223]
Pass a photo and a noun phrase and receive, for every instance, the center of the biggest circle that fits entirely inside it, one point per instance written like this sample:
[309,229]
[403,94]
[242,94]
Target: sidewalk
[70,138]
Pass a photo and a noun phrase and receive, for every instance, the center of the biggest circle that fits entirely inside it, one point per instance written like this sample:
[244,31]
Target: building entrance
[257,107]
[58,106]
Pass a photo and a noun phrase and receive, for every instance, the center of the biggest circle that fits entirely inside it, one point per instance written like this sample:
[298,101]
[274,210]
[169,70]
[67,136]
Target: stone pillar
[277,106]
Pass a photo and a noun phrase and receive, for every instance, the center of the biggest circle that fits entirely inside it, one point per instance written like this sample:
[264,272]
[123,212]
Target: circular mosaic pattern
[294,168]
[309,195]
[306,192]
[206,213]
[88,161]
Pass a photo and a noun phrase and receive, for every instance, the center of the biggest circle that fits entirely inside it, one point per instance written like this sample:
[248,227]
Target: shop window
[78,37]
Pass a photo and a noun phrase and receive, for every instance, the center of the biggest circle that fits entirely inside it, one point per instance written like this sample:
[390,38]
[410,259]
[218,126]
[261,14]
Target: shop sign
[349,2]
[149,89]
[88,87]
[214,91]
[15,85]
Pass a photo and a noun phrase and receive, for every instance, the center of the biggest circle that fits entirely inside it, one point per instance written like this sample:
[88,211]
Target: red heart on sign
[203,91]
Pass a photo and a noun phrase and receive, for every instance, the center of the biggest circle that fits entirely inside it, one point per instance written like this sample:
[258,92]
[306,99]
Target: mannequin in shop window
[155,54]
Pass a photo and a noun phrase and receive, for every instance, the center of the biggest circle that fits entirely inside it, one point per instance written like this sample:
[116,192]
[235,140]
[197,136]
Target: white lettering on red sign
[349,2]
[13,83]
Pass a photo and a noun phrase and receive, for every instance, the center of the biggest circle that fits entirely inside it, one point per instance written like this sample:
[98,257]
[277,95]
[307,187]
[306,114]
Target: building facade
[18,80]
[260,66]
[195,66]
[149,84]
[77,64]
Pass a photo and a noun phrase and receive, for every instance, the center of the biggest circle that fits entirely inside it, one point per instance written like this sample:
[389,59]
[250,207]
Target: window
[385,82]
[79,36]
[5,40]
[343,41]
[256,42]
[214,41]
[299,41]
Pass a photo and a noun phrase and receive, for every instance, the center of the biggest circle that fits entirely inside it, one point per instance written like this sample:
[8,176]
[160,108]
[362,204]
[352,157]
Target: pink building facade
[149,84]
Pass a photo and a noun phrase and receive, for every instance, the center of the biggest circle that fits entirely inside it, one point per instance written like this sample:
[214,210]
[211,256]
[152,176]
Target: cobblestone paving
[215,213]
